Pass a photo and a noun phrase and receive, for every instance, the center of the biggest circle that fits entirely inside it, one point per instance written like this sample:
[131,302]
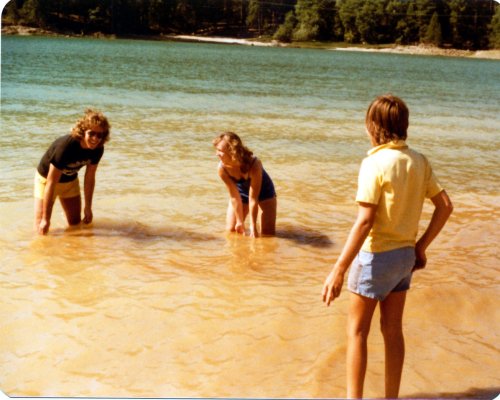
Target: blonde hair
[237,150]
[91,118]
[387,119]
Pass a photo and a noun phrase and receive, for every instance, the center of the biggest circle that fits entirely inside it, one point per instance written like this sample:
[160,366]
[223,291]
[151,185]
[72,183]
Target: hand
[253,232]
[333,286]
[239,228]
[420,258]
[43,228]
[87,216]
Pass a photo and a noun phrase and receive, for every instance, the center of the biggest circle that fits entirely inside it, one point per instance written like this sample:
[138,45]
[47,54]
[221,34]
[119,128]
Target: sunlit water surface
[155,300]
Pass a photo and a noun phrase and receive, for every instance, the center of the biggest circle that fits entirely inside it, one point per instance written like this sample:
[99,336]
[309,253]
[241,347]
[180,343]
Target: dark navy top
[266,189]
[67,155]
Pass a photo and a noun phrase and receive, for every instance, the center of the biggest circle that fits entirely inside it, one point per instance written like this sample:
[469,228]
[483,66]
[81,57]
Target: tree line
[463,24]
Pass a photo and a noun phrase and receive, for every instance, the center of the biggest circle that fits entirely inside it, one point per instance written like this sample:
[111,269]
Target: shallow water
[155,300]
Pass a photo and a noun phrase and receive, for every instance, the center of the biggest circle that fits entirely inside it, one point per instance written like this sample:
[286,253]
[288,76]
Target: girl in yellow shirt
[382,245]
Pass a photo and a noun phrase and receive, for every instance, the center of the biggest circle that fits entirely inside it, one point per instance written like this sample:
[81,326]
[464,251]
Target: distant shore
[430,51]
[398,49]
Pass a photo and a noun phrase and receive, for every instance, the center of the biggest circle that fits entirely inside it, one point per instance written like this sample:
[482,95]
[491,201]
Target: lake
[154,299]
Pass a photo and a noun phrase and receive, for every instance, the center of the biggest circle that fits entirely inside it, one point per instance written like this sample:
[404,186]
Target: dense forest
[463,24]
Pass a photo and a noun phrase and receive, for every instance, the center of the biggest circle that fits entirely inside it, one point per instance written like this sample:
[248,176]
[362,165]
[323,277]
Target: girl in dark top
[57,172]
[249,186]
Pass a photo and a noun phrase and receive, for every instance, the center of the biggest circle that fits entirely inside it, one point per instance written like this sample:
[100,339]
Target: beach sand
[429,51]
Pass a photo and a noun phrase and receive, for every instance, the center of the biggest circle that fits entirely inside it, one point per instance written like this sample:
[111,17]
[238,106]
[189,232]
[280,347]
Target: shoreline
[427,50]
[424,50]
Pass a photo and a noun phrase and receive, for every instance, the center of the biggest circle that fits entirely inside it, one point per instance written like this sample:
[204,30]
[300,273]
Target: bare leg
[358,327]
[72,207]
[38,213]
[391,324]
[268,216]
[231,216]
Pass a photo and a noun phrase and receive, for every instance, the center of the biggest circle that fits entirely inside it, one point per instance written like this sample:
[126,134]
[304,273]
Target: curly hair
[91,118]
[238,151]
[387,119]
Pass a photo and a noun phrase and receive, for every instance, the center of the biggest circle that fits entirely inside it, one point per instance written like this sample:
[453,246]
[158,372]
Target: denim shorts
[376,275]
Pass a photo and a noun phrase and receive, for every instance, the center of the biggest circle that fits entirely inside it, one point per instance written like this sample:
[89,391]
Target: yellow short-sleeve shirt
[398,180]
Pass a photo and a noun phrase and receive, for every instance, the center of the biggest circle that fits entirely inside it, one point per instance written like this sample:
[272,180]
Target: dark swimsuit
[266,189]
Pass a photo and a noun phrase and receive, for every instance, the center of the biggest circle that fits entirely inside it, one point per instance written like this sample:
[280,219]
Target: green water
[154,88]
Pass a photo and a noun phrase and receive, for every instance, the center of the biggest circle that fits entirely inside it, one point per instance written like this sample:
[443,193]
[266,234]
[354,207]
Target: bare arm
[48,199]
[235,198]
[359,232]
[88,190]
[255,186]
[442,211]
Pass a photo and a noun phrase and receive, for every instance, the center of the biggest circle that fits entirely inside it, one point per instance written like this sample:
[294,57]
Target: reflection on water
[155,300]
